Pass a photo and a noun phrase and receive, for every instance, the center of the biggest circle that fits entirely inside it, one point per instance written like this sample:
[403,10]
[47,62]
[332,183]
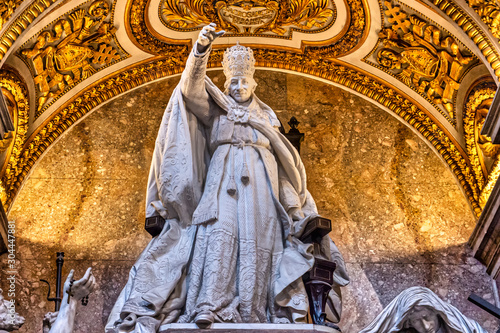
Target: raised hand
[207,36]
[82,287]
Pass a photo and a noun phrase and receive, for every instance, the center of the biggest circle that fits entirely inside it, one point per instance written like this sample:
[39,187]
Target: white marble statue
[63,321]
[9,319]
[233,193]
[418,309]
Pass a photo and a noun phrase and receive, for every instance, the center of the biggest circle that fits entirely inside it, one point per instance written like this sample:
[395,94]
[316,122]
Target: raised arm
[193,77]
[65,320]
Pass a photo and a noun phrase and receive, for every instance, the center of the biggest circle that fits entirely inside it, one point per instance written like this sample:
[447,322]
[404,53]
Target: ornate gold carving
[17,95]
[490,183]
[336,72]
[249,17]
[350,39]
[479,148]
[489,11]
[21,23]
[7,7]
[73,49]
[464,21]
[418,54]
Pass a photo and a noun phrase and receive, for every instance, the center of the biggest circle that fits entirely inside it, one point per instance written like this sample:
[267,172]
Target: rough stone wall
[399,217]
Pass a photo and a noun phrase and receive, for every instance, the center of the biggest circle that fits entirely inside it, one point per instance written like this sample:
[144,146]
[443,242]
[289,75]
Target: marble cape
[156,289]
[394,316]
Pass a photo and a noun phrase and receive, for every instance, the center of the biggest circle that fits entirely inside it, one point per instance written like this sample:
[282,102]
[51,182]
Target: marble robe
[234,254]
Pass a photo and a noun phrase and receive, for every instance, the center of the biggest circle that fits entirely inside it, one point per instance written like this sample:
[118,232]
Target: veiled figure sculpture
[419,310]
[232,191]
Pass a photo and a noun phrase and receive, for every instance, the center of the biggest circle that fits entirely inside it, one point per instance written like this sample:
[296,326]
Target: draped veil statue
[232,191]
[418,309]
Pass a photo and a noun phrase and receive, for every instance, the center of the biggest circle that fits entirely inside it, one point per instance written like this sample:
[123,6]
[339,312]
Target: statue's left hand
[82,287]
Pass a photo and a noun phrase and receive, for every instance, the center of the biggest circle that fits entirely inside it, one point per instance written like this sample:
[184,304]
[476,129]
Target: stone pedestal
[247,328]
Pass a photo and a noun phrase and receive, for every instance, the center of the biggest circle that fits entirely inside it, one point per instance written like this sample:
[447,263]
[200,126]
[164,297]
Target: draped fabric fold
[394,317]
[182,176]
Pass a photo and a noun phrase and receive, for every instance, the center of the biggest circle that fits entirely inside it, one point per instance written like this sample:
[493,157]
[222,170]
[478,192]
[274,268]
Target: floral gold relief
[7,8]
[277,17]
[19,25]
[464,21]
[306,16]
[423,56]
[16,93]
[484,156]
[489,11]
[73,49]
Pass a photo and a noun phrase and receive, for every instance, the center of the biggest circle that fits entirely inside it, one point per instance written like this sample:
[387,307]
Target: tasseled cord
[245,174]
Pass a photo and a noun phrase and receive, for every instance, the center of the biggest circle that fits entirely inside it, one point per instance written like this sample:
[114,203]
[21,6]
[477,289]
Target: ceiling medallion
[250,17]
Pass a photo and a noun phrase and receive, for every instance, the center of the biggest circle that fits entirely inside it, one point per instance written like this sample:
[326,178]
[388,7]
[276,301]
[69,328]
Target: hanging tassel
[245,175]
[231,186]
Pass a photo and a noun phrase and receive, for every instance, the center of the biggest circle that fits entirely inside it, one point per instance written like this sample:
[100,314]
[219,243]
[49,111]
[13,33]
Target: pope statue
[232,191]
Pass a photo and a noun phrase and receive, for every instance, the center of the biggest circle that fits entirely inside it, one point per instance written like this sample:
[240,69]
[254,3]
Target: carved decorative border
[6,16]
[333,71]
[464,21]
[21,23]
[480,93]
[137,30]
[292,30]
[12,82]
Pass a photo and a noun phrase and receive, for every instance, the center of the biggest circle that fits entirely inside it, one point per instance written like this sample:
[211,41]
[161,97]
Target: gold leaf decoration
[423,57]
[17,93]
[250,17]
[489,11]
[484,156]
[7,8]
[475,33]
[73,49]
[21,23]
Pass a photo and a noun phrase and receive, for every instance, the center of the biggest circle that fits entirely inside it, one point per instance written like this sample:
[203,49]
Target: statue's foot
[204,318]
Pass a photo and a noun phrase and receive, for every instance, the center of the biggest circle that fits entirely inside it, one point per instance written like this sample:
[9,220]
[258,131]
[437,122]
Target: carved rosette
[250,17]
[423,56]
[71,50]
[484,156]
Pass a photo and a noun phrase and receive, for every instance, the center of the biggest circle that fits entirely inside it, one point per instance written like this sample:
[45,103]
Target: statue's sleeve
[192,85]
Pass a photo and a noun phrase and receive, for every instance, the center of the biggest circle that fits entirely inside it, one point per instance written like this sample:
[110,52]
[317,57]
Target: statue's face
[241,88]
[424,320]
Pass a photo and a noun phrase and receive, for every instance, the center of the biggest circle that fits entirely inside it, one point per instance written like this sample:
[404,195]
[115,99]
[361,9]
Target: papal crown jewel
[238,61]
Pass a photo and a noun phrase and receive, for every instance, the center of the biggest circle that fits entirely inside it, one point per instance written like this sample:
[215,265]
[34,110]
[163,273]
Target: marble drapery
[234,253]
[394,317]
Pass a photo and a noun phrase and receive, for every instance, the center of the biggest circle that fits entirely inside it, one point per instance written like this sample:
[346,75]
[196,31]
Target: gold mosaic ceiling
[434,64]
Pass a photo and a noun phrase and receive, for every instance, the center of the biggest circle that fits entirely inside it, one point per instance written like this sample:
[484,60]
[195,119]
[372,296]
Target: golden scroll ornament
[16,93]
[250,17]
[462,18]
[483,154]
[489,11]
[73,49]
[7,8]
